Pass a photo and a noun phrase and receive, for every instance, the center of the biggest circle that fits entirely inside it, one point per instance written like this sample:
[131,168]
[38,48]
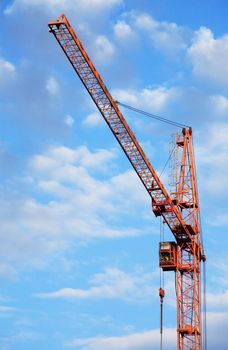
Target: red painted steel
[189,255]
[180,215]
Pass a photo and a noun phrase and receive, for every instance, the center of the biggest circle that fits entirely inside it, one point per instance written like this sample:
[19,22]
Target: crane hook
[161,295]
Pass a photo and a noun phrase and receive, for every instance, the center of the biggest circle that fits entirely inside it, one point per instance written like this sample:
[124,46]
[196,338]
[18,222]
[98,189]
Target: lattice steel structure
[188,254]
[181,214]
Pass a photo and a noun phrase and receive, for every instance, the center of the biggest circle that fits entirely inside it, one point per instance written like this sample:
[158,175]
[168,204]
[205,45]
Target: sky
[79,243]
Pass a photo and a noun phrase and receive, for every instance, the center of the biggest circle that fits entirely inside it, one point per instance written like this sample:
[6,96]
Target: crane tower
[179,210]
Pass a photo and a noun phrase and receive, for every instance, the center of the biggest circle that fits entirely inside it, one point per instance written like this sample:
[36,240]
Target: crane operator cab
[168,256]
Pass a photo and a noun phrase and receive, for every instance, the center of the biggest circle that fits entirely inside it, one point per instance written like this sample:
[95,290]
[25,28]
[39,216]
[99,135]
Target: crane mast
[180,212]
[188,255]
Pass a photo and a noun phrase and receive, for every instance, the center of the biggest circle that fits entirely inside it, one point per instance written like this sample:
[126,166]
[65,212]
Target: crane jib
[161,202]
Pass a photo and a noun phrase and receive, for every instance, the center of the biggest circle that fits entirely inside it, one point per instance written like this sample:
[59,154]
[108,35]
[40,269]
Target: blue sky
[79,244]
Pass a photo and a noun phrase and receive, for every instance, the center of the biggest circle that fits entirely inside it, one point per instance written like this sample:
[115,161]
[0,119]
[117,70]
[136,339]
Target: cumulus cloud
[217,301]
[212,159]
[221,219]
[208,57]
[7,72]
[165,36]
[93,119]
[72,204]
[150,99]
[69,120]
[145,21]
[137,341]
[216,337]
[52,86]
[216,330]
[66,5]
[6,67]
[123,31]
[219,104]
[103,48]
[113,283]
[56,157]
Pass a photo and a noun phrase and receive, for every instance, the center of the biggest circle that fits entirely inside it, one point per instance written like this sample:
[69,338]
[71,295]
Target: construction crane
[179,210]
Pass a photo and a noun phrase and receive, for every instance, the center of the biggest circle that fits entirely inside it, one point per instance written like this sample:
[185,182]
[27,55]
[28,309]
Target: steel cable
[154,116]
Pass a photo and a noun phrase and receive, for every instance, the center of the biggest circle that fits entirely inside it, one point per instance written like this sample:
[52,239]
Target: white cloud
[52,86]
[145,21]
[56,157]
[111,284]
[19,337]
[217,301]
[123,31]
[93,119]
[217,298]
[72,204]
[208,57]
[212,159]
[219,104]
[86,6]
[153,100]
[150,340]
[7,72]
[137,341]
[217,330]
[221,219]
[69,120]
[7,271]
[6,67]
[165,36]
[103,48]
[6,308]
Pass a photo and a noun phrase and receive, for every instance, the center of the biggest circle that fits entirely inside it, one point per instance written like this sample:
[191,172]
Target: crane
[179,210]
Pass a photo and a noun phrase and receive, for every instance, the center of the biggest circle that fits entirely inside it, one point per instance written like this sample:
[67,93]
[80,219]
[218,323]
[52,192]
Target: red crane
[180,210]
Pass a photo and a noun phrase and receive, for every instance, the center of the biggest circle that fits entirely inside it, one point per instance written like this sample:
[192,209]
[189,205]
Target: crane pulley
[180,212]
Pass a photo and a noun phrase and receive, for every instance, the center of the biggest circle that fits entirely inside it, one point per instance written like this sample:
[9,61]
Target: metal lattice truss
[181,215]
[161,201]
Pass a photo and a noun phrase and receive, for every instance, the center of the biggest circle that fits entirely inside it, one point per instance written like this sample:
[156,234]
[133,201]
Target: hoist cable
[161,289]
[162,237]
[204,305]
[161,325]
[154,116]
